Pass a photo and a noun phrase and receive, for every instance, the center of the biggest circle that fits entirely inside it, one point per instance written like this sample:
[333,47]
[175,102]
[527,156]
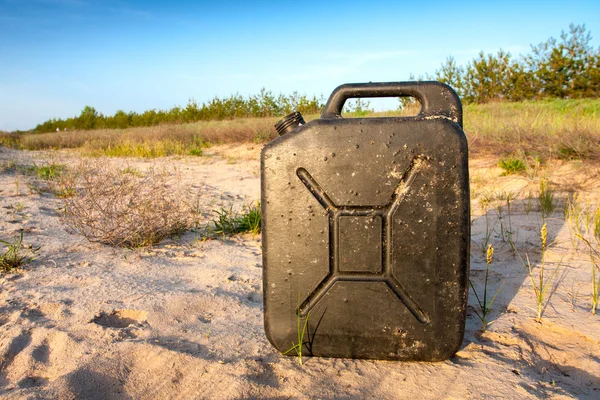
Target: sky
[57,56]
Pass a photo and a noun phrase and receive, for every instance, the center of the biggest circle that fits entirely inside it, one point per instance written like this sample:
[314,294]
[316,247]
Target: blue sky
[57,56]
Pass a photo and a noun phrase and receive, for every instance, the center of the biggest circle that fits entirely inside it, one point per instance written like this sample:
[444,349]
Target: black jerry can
[366,229]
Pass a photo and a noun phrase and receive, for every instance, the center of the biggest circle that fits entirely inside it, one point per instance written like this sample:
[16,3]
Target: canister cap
[289,123]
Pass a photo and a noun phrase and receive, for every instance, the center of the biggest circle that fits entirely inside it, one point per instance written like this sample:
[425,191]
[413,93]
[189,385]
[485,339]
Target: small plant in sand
[230,222]
[8,166]
[505,231]
[45,178]
[511,166]
[546,198]
[542,282]
[528,203]
[595,257]
[15,254]
[489,228]
[532,167]
[49,171]
[485,305]
[574,214]
[302,329]
[582,220]
[122,209]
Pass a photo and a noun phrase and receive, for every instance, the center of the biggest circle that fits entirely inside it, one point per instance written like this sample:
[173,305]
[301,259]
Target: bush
[512,166]
[119,208]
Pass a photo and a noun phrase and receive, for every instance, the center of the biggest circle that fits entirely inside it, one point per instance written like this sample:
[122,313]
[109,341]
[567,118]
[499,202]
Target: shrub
[511,166]
[119,208]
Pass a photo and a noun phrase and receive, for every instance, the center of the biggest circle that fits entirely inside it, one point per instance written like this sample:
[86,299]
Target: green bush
[512,166]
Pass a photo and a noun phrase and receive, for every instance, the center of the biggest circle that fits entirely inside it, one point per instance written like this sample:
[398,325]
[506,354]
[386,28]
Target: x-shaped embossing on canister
[386,213]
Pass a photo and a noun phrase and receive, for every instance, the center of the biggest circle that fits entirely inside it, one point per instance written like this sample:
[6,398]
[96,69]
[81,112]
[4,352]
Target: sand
[183,319]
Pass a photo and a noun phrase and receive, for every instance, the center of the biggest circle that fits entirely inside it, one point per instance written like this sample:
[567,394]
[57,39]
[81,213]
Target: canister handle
[437,99]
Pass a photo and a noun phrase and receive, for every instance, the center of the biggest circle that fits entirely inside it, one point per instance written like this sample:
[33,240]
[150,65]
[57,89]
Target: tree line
[568,67]
[265,104]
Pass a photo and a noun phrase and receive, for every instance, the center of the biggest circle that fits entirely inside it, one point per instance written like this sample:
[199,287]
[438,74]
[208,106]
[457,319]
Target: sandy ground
[183,319]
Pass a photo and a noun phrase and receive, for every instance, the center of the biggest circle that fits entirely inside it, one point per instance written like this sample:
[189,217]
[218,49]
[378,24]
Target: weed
[8,166]
[196,151]
[582,220]
[505,233]
[574,214]
[44,176]
[574,294]
[489,229]
[229,222]
[570,152]
[132,171]
[512,166]
[485,306]
[528,203]
[197,146]
[49,171]
[546,198]
[302,329]
[594,256]
[13,256]
[532,168]
[64,192]
[509,197]
[542,282]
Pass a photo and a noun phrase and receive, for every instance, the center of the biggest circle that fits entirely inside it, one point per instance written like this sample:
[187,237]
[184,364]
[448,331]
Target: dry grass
[159,141]
[121,208]
[567,129]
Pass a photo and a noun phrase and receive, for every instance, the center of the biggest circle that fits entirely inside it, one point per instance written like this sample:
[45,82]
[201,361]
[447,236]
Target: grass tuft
[485,305]
[15,254]
[302,330]
[541,283]
[230,222]
[546,198]
[49,171]
[595,258]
